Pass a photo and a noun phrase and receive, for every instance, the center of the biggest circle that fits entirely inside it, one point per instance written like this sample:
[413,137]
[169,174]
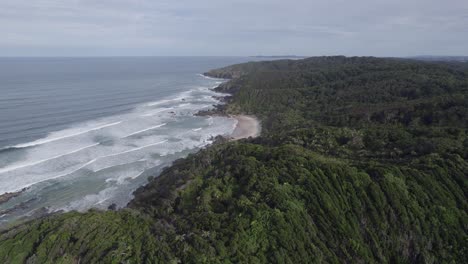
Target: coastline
[219,203]
[239,126]
[246,127]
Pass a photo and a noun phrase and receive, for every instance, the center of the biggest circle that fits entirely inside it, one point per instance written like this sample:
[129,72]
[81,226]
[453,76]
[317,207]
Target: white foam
[122,180]
[144,130]
[160,102]
[179,97]
[183,105]
[210,78]
[115,165]
[48,140]
[101,201]
[117,148]
[135,149]
[91,199]
[66,174]
[157,112]
[10,168]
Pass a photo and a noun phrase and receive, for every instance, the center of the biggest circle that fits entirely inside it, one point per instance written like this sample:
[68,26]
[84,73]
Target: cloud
[234,27]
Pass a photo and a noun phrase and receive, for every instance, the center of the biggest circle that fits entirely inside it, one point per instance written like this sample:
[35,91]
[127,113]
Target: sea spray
[101,162]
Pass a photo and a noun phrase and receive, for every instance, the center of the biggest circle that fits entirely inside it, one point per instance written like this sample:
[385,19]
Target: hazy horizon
[83,28]
[424,56]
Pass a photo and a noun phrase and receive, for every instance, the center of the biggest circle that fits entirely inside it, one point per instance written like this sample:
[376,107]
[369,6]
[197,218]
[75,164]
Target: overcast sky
[233,27]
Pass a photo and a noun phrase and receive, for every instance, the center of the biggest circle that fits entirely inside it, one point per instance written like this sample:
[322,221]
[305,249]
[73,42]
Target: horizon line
[225,56]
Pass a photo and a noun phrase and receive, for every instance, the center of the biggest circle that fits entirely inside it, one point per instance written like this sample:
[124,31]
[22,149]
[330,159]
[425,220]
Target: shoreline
[246,127]
[7,196]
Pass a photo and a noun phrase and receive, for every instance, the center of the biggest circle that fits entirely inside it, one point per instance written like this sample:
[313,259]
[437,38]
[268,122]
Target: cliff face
[363,160]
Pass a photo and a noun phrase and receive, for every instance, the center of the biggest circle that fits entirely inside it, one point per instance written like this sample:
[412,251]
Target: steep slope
[361,160]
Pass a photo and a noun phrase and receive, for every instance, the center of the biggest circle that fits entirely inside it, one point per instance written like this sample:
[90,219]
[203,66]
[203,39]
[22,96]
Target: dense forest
[361,160]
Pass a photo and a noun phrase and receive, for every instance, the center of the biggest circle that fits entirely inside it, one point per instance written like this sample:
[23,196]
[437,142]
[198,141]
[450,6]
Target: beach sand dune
[247,126]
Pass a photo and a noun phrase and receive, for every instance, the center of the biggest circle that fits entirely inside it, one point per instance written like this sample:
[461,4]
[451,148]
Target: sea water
[81,133]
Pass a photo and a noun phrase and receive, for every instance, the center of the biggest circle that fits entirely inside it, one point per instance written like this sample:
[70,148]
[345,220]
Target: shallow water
[83,133]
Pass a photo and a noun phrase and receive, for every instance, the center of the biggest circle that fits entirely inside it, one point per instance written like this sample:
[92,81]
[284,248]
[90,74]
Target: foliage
[92,237]
[361,160]
[350,92]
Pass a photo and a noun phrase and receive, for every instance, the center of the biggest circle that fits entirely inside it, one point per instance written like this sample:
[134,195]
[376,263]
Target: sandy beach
[247,126]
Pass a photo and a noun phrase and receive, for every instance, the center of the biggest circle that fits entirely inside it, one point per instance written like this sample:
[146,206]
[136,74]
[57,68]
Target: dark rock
[8,196]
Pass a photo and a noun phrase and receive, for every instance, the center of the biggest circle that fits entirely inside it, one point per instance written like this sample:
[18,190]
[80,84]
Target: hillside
[360,160]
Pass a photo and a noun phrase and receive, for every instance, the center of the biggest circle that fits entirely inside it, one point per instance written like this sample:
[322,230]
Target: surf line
[98,158]
[89,162]
[156,112]
[63,175]
[7,169]
[144,130]
[134,149]
[44,141]
[58,176]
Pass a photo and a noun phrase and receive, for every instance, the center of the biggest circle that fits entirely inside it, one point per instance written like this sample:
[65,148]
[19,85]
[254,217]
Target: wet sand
[247,126]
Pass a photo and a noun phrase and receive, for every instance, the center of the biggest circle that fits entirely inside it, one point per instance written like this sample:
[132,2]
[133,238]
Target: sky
[233,27]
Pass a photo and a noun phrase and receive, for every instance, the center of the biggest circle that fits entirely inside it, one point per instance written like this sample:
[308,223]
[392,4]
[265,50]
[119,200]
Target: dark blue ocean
[77,133]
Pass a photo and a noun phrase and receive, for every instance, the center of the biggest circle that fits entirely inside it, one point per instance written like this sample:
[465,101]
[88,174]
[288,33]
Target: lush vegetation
[349,92]
[361,160]
[93,237]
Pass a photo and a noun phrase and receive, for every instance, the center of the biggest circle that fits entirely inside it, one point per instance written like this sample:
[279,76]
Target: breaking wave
[101,162]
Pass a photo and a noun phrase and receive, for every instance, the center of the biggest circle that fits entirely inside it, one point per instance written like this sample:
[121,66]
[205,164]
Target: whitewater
[101,161]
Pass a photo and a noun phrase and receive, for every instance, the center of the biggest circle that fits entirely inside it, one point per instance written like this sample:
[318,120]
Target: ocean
[81,133]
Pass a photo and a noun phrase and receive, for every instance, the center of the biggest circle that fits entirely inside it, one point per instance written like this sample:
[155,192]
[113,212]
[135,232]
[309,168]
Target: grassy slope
[362,160]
